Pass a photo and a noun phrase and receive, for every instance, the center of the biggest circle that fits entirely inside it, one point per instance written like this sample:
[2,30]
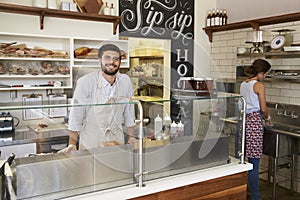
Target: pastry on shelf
[33,70]
[8,52]
[32,53]
[81,52]
[20,52]
[59,54]
[93,54]
[4,45]
[63,70]
[42,50]
[2,69]
[18,70]
[18,46]
[47,68]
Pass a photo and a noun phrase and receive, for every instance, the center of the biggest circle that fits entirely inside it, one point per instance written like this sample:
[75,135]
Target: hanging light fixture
[257,41]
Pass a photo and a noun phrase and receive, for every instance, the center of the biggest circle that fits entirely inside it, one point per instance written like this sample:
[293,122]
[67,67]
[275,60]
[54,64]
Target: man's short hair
[108,47]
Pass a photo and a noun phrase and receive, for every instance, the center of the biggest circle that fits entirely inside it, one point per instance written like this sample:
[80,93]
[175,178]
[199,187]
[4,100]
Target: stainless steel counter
[289,130]
[50,139]
[169,183]
[282,139]
[59,175]
[63,175]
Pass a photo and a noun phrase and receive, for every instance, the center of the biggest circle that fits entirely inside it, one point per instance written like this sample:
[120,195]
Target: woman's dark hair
[108,47]
[259,65]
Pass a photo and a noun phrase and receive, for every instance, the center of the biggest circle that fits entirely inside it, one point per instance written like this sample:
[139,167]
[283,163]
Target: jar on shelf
[51,4]
[112,10]
[39,3]
[106,10]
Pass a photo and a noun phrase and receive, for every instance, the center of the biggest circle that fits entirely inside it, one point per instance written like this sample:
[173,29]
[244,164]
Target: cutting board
[152,143]
[50,127]
[82,3]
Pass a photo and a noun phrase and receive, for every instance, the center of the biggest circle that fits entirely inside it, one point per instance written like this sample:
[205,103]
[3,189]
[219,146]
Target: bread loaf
[93,54]
[81,51]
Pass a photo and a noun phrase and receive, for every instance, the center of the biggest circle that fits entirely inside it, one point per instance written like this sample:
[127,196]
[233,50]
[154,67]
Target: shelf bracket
[116,23]
[254,25]
[209,34]
[42,16]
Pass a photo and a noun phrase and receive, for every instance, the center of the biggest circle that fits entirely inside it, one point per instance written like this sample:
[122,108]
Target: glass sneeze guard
[207,140]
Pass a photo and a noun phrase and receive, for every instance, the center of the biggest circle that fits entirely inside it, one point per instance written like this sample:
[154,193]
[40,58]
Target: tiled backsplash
[286,114]
[224,57]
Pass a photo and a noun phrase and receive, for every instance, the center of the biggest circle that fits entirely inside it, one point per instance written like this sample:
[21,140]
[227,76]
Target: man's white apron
[103,122]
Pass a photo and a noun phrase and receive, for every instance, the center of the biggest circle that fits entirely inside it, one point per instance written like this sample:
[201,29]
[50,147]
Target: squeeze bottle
[157,126]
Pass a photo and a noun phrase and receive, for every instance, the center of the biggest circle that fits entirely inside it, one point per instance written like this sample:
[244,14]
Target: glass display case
[199,134]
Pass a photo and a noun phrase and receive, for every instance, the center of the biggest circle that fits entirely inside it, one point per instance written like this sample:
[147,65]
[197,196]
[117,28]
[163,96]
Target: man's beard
[107,72]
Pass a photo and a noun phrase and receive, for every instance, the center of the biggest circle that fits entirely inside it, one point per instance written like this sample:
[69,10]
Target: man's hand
[70,147]
[132,140]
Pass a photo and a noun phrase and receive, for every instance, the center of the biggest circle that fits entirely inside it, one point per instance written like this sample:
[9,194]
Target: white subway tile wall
[224,62]
[223,55]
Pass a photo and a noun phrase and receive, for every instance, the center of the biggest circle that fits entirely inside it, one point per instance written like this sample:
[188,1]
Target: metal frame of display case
[141,172]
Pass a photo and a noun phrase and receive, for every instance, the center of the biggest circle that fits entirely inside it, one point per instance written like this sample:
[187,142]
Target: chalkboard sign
[165,19]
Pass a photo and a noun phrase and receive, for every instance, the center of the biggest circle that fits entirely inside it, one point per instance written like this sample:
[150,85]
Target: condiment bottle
[217,18]
[212,19]
[167,123]
[208,18]
[180,129]
[221,18]
[225,17]
[166,136]
[112,10]
[173,129]
[157,126]
[106,10]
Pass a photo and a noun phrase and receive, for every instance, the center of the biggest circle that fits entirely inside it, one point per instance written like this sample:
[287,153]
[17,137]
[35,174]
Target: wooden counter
[226,181]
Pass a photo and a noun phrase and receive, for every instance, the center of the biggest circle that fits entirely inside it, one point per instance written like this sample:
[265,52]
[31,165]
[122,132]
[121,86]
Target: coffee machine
[7,129]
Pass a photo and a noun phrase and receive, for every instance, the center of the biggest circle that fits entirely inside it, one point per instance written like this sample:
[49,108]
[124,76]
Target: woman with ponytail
[253,90]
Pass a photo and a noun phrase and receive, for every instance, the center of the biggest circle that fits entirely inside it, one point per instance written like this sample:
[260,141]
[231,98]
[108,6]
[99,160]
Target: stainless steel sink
[292,131]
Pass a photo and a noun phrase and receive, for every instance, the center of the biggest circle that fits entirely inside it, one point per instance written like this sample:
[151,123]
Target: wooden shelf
[274,55]
[255,23]
[250,55]
[34,88]
[150,57]
[293,54]
[44,12]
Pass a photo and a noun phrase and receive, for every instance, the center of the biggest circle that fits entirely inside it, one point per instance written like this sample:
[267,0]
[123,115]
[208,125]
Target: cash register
[7,129]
